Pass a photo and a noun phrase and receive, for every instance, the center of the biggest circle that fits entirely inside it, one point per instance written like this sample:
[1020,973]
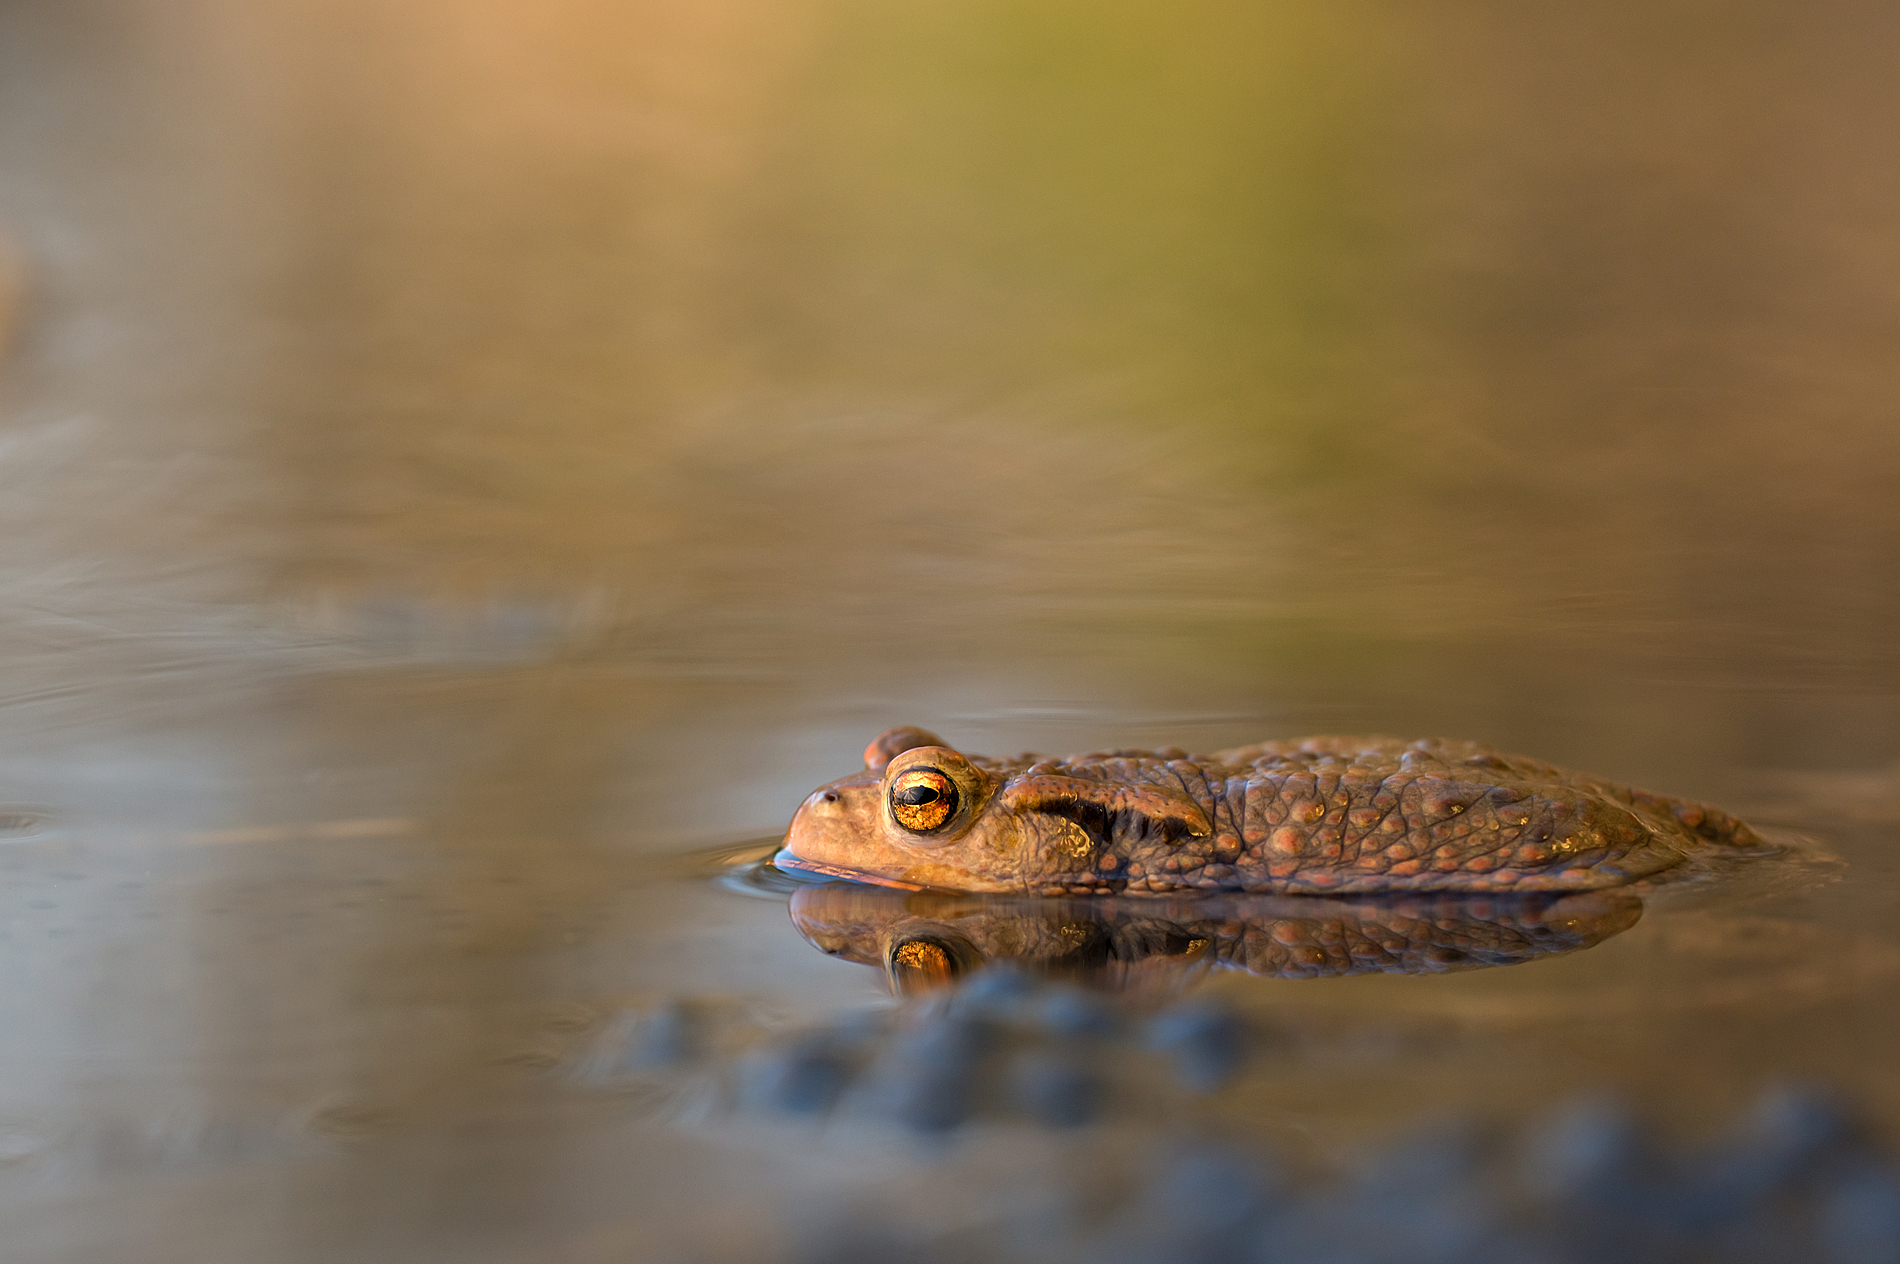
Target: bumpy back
[1335,815]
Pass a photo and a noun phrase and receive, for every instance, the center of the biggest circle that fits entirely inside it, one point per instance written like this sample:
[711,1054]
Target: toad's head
[920,815]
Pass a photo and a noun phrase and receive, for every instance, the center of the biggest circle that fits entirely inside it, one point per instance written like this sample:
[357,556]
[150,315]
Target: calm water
[466,469]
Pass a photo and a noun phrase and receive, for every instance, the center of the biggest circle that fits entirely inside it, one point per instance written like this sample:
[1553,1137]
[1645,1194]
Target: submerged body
[1321,816]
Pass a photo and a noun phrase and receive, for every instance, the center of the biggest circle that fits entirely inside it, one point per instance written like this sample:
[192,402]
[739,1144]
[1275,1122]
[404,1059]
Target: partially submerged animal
[926,940]
[1320,815]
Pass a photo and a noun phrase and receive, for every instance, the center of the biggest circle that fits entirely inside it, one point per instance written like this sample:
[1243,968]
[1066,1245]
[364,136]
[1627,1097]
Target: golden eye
[922,799]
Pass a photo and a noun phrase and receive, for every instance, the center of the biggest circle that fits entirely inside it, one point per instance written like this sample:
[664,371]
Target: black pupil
[917,796]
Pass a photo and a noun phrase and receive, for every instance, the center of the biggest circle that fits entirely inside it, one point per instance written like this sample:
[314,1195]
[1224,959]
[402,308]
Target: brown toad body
[1319,815]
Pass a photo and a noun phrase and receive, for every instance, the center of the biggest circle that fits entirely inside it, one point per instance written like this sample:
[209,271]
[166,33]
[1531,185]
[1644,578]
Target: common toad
[1319,815]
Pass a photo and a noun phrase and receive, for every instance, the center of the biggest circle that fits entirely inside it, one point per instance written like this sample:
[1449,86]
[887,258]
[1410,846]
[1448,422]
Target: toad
[1316,816]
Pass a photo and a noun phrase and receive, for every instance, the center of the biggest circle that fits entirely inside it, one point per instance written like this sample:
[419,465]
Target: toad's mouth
[787,859]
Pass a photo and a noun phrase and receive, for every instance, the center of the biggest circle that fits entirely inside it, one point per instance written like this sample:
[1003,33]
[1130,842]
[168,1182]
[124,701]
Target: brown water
[458,460]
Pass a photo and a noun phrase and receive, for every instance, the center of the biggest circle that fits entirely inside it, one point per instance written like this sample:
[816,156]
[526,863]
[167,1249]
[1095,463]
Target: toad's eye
[922,799]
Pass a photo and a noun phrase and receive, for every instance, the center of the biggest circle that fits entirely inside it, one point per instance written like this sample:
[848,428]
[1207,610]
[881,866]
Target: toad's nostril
[830,796]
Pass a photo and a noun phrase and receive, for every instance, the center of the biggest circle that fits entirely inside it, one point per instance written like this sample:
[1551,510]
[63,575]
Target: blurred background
[458,459]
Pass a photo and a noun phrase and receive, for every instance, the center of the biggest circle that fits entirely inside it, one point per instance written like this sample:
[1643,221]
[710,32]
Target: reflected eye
[922,799]
[923,964]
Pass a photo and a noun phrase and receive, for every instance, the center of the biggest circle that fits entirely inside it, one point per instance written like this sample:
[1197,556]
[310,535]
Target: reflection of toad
[925,939]
[1324,816]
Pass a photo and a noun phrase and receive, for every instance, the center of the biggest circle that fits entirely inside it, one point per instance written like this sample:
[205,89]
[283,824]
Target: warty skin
[1316,816]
